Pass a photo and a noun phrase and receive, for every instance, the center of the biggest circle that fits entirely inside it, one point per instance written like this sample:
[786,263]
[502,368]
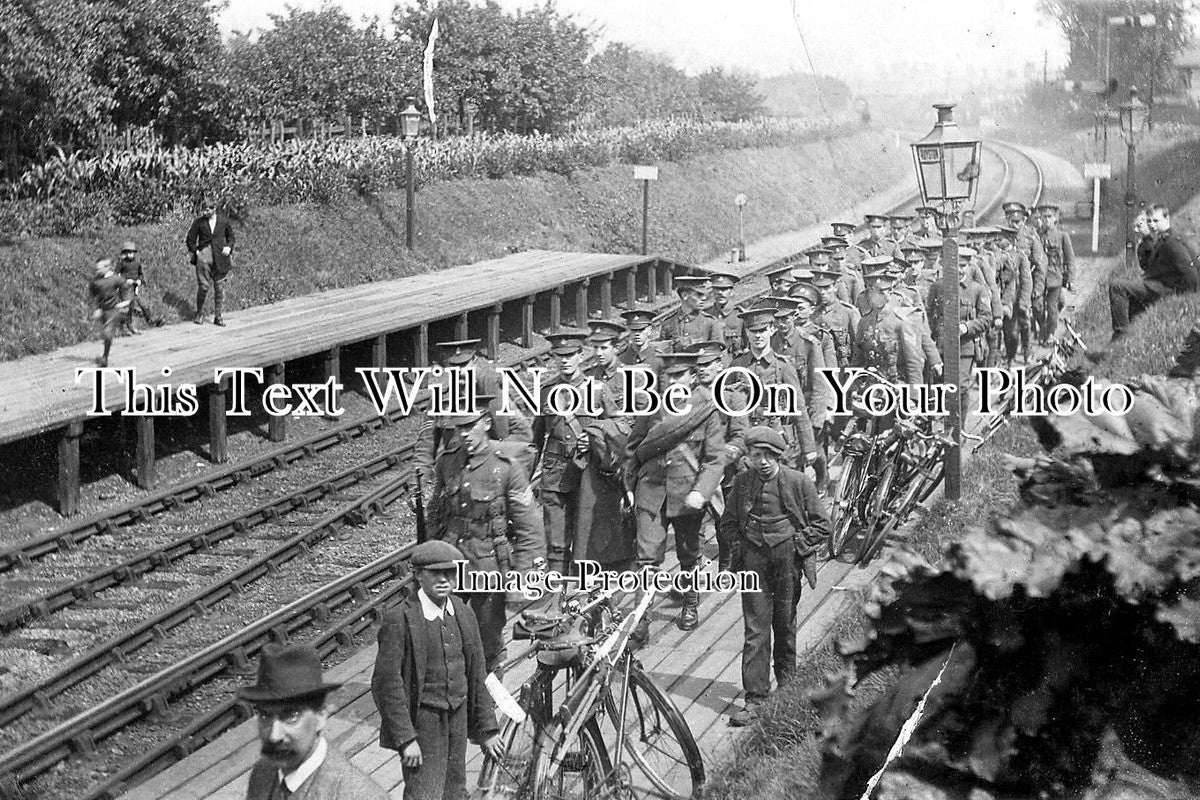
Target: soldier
[643,346]
[884,341]
[1013,280]
[931,251]
[780,280]
[1029,243]
[847,275]
[845,232]
[837,316]
[726,312]
[688,324]
[776,369]
[604,339]
[975,319]
[710,360]
[909,306]
[777,523]
[1060,268]
[876,243]
[562,445]
[479,495]
[899,235]
[870,265]
[674,465]
[817,355]
[926,224]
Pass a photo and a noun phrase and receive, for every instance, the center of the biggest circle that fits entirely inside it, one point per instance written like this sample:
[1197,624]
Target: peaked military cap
[967,252]
[875,266]
[767,439]
[757,318]
[1046,207]
[781,274]
[674,363]
[877,218]
[435,554]
[566,341]
[802,274]
[818,255]
[708,352]
[910,247]
[848,227]
[456,353]
[637,319]
[930,244]
[823,279]
[605,330]
[925,211]
[482,401]
[904,219]
[834,241]
[807,292]
[723,280]
[1013,205]
[1006,230]
[694,283]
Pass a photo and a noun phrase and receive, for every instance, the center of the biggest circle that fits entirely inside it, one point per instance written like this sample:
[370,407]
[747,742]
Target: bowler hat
[435,554]
[766,438]
[291,672]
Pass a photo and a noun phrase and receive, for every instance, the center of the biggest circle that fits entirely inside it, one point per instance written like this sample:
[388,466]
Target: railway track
[80,734]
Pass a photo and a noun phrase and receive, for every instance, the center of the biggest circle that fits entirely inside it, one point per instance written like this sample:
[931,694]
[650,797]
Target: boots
[640,636]
[201,294]
[689,617]
[218,297]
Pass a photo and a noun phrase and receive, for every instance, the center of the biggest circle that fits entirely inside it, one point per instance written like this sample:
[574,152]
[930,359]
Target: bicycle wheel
[510,777]
[657,739]
[583,770]
[844,498]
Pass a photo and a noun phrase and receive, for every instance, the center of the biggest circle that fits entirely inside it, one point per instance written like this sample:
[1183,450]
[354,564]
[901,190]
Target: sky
[848,38]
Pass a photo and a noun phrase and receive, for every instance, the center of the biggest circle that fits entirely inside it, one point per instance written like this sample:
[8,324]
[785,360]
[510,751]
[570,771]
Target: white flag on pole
[433,34]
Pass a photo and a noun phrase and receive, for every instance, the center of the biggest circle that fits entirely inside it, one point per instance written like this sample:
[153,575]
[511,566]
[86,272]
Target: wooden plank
[144,472]
[493,331]
[276,426]
[67,487]
[218,451]
[527,321]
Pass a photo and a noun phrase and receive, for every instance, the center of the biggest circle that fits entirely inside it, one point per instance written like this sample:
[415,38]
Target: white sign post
[1097,172]
[645,175]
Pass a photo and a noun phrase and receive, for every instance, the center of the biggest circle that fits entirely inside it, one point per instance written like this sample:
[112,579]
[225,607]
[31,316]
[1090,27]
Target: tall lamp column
[1134,116]
[947,165]
[410,126]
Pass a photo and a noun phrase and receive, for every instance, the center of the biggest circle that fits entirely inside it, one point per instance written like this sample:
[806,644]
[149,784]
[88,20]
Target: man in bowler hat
[428,682]
[209,244]
[297,762]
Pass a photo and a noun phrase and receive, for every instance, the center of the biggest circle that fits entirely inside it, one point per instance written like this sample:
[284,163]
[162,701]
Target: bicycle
[567,753]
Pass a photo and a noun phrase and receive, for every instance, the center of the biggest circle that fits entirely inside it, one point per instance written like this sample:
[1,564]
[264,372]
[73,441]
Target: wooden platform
[701,671]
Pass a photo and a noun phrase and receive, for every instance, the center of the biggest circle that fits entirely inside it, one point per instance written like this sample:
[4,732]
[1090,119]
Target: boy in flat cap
[776,523]
[105,291]
[132,272]
[297,761]
[428,682]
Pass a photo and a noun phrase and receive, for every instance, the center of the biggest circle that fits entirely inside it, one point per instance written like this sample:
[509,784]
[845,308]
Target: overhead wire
[816,80]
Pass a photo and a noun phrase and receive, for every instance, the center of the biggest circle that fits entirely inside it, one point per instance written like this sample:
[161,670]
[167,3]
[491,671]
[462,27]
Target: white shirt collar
[432,610]
[296,778]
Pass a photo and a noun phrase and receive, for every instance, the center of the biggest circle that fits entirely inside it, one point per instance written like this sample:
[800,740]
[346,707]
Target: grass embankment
[780,758]
[296,250]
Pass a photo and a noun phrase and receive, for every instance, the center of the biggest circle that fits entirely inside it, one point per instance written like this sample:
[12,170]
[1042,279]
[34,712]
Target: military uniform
[1029,243]
[975,311]
[477,499]
[908,306]
[1014,281]
[886,343]
[683,330]
[731,323]
[1060,267]
[777,525]
[773,368]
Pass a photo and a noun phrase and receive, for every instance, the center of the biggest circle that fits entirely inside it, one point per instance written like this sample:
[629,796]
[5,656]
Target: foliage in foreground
[1067,635]
[127,188]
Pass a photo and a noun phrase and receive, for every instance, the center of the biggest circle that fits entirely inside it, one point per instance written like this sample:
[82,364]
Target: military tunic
[1029,243]
[686,329]
[975,311]
[841,319]
[889,345]
[478,498]
[1014,281]
[734,340]
[1060,268]
[773,368]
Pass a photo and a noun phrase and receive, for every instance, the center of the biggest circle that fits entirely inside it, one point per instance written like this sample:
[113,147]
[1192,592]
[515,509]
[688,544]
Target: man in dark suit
[297,762]
[428,682]
[210,249]
[1169,271]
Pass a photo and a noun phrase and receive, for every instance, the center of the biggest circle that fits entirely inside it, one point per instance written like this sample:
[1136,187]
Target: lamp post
[410,126]
[739,200]
[947,165]
[1133,122]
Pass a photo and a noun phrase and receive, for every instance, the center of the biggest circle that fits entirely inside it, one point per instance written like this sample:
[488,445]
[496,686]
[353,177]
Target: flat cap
[637,319]
[757,318]
[674,363]
[460,352]
[766,438]
[435,554]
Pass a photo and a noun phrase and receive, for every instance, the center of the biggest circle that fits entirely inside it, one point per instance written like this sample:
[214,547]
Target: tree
[728,97]
[1142,57]
[629,86]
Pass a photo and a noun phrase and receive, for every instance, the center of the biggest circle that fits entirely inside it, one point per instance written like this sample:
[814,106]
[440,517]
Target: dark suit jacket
[335,779]
[1171,264]
[800,502]
[400,672]
[199,237]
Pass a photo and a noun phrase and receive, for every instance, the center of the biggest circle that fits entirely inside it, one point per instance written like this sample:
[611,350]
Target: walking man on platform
[776,523]
[210,250]
[689,323]
[297,761]
[1060,269]
[428,682]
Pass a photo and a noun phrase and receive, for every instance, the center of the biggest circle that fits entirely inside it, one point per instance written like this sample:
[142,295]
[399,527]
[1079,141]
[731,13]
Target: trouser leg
[218,299]
[757,608]
[1024,328]
[687,539]
[966,377]
[489,609]
[428,781]
[558,508]
[1050,308]
[785,588]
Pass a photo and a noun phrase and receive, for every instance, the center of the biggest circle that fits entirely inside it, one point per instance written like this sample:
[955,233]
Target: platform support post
[631,287]
[421,348]
[493,331]
[606,282]
[462,328]
[651,281]
[218,451]
[668,280]
[68,469]
[379,352]
[581,304]
[145,472]
[333,368]
[527,321]
[276,426]
[556,308]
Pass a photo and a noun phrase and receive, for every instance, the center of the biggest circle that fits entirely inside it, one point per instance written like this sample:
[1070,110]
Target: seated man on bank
[1169,270]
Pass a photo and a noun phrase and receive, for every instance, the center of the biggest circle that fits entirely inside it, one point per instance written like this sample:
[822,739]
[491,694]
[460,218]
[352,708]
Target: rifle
[419,511]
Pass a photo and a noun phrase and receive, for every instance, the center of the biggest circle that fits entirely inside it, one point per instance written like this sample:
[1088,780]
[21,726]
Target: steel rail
[147,561]
[118,649]
[81,733]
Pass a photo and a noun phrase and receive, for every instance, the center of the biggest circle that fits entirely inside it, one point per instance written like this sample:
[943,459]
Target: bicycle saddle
[562,650]
[536,625]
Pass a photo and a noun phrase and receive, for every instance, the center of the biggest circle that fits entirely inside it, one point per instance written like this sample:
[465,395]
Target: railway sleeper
[321,613]
[238,663]
[84,743]
[280,634]
[344,638]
